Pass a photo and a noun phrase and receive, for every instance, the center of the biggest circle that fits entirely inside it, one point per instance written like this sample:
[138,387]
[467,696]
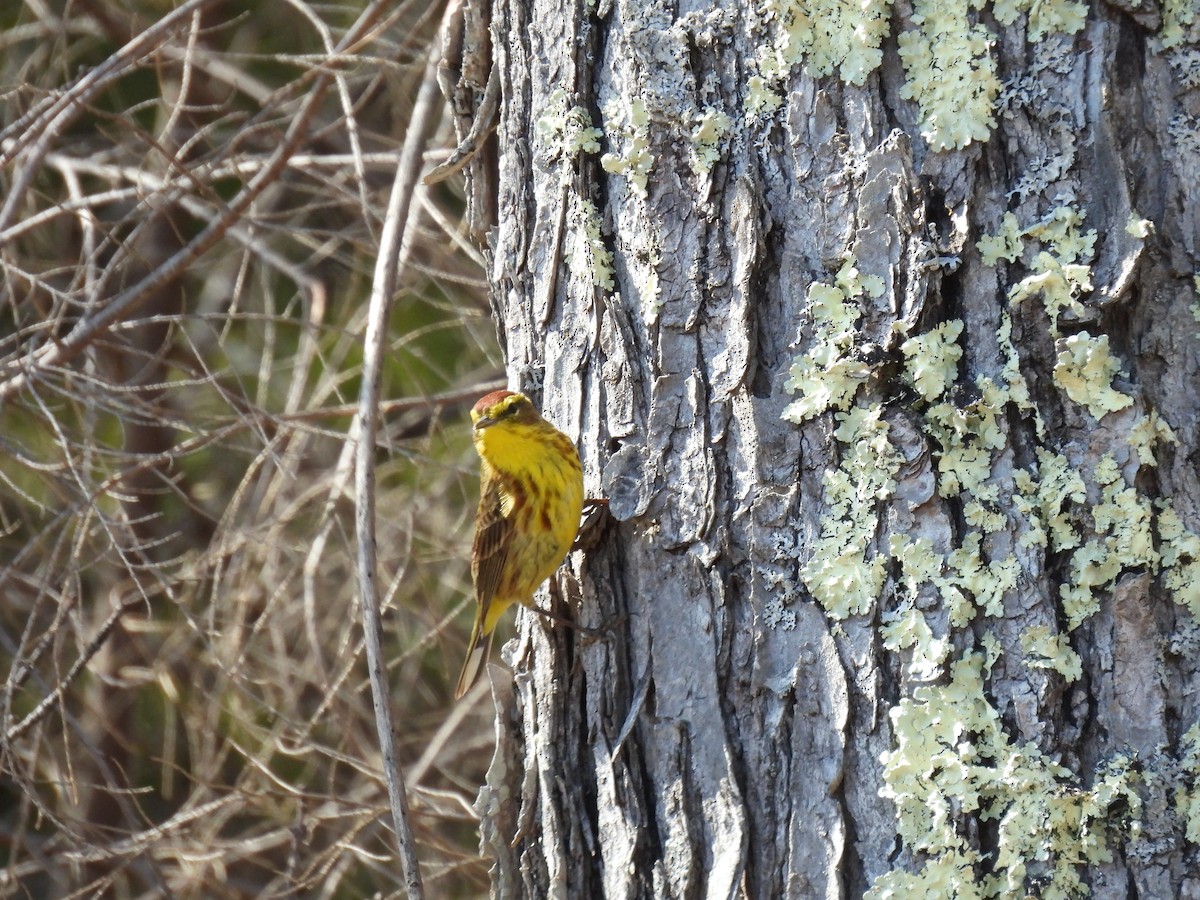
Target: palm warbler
[530,500]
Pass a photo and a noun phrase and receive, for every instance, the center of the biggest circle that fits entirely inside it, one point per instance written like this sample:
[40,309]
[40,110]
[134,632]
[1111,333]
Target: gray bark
[725,740]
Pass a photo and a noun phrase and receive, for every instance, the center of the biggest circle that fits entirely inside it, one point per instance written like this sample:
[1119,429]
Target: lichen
[826,36]
[1059,273]
[1177,18]
[1045,650]
[959,576]
[967,437]
[829,375]
[629,124]
[710,130]
[1138,227]
[1180,559]
[761,102]
[950,73]
[932,359]
[584,249]
[1014,385]
[1187,795]
[1006,243]
[1045,16]
[1084,368]
[952,758]
[987,583]
[907,628]
[1042,502]
[1184,131]
[1122,539]
[775,614]
[1150,431]
[839,574]
[566,131]
[1194,309]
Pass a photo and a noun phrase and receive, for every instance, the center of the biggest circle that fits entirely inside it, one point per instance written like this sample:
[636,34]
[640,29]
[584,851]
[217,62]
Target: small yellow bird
[530,500]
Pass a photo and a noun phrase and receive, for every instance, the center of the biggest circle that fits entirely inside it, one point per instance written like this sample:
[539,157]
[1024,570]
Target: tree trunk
[878,333]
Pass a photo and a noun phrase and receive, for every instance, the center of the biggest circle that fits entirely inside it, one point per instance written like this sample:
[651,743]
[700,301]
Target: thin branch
[91,327]
[22,372]
[48,120]
[393,252]
[93,647]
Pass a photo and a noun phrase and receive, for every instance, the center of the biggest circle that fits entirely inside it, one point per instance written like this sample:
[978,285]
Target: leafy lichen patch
[932,359]
[566,131]
[952,757]
[840,574]
[828,376]
[1084,369]
[628,127]
[951,74]
[825,36]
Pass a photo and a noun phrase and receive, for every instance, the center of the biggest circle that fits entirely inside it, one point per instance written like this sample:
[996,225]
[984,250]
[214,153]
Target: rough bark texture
[726,739]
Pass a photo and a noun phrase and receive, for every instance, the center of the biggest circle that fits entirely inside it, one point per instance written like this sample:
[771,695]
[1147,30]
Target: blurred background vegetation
[185,709]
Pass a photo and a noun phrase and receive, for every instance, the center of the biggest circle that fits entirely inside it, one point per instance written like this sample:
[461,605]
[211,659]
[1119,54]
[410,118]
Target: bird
[530,502]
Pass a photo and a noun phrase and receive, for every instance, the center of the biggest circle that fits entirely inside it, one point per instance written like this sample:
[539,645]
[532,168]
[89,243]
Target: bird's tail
[477,657]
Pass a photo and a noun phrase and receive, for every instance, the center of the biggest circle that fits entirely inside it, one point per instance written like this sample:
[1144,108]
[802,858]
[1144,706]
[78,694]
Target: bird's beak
[483,422]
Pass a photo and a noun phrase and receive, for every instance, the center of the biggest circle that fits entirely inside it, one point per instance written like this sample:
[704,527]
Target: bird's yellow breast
[541,487]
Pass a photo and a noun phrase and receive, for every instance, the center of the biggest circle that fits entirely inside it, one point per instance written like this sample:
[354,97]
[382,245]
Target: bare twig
[43,124]
[93,647]
[393,250]
[91,327]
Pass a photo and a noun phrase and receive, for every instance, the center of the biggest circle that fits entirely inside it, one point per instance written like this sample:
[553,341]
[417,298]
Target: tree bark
[865,631]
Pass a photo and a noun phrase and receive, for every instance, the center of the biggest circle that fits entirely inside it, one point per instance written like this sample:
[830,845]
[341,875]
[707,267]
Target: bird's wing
[493,539]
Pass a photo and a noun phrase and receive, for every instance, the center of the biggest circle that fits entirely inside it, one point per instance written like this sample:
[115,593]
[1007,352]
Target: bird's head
[503,406]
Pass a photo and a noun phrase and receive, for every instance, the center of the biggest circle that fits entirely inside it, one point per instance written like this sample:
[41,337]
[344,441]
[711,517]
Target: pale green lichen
[829,375]
[1177,18]
[1150,431]
[907,629]
[1045,650]
[950,875]
[1122,539]
[1059,273]
[826,36]
[630,123]
[838,574]
[1194,309]
[1007,243]
[1057,284]
[710,130]
[1084,368]
[1138,227]
[1042,501]
[987,583]
[1187,795]
[1045,16]
[958,577]
[949,67]
[931,359]
[651,289]
[567,131]
[584,249]
[1061,229]
[1014,384]
[952,758]
[761,101]
[950,73]
[1180,560]
[967,437]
